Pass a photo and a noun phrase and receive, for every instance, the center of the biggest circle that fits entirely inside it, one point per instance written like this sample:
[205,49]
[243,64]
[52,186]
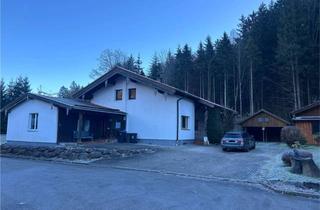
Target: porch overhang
[66,103]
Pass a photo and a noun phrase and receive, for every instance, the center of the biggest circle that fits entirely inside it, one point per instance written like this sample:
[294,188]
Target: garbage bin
[122,138]
[132,137]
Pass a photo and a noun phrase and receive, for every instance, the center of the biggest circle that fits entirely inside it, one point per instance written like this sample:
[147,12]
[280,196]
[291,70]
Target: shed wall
[18,122]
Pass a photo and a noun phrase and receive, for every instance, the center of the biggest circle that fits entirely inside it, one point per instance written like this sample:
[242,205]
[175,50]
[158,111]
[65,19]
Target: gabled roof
[306,118]
[67,103]
[310,106]
[148,82]
[264,111]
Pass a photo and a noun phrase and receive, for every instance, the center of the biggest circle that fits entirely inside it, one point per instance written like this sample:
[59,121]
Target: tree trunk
[298,84]
[251,89]
[294,87]
[308,90]
[209,86]
[239,81]
[262,93]
[200,85]
[234,88]
[214,88]
[186,81]
[225,89]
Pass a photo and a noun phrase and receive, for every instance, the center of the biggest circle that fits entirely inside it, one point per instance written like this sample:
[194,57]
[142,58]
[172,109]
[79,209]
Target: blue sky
[54,42]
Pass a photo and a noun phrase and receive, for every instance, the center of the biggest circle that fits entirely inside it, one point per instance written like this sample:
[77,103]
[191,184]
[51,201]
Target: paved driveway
[42,185]
[205,160]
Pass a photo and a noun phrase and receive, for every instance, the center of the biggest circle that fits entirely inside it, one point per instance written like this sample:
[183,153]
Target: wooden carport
[264,126]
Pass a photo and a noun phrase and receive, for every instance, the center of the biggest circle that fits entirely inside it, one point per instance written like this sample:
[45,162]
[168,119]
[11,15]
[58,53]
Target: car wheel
[225,149]
[246,149]
[254,146]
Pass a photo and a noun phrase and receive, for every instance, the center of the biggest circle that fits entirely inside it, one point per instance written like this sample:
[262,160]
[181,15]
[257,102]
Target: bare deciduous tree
[107,60]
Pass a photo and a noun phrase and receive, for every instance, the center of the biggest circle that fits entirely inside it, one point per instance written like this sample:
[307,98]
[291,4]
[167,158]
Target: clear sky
[56,41]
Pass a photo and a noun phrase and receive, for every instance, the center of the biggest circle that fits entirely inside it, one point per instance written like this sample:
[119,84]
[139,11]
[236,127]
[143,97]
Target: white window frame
[36,120]
[186,123]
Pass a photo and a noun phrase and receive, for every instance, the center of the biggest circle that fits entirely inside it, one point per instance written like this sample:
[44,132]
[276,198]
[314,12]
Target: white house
[120,100]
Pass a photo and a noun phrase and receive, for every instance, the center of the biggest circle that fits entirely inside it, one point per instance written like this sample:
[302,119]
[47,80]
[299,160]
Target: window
[132,93]
[118,125]
[119,95]
[86,126]
[33,121]
[184,122]
[316,127]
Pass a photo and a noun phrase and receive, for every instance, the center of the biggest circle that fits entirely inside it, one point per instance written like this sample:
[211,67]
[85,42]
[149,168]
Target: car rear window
[232,135]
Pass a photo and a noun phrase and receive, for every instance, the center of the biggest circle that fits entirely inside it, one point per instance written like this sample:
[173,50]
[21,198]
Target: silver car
[237,140]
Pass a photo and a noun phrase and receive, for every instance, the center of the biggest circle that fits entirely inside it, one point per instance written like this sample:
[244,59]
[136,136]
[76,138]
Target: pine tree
[3,119]
[68,92]
[187,66]
[155,71]
[200,68]
[63,92]
[209,51]
[138,66]
[224,62]
[17,88]
[130,64]
[169,69]
[3,94]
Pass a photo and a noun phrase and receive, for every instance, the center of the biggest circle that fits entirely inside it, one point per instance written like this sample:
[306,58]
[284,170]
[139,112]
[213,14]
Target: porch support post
[79,126]
[206,121]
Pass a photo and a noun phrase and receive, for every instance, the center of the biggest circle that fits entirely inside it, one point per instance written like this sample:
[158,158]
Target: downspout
[126,95]
[177,132]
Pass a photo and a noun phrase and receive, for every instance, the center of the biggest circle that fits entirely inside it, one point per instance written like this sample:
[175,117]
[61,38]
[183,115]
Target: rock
[73,156]
[95,154]
[64,155]
[41,149]
[302,154]
[5,147]
[52,154]
[88,150]
[287,157]
[36,154]
[83,156]
[106,152]
[77,150]
[28,152]
[59,150]
[51,149]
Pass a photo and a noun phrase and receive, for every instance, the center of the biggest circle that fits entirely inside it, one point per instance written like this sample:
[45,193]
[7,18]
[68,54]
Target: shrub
[219,122]
[291,135]
[317,138]
[286,158]
[214,126]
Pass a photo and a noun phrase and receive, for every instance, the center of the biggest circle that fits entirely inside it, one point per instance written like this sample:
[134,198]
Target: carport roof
[68,103]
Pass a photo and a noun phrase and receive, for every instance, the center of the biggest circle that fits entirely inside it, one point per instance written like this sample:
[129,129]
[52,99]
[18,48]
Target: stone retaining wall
[70,152]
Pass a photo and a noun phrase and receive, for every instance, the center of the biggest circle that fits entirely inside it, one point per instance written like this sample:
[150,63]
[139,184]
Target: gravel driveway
[205,160]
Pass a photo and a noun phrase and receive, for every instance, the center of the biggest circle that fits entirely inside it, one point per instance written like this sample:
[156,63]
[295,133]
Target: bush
[317,138]
[291,135]
[214,126]
[219,122]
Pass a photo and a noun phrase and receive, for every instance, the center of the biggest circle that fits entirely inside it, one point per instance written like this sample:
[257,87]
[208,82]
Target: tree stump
[309,168]
[302,163]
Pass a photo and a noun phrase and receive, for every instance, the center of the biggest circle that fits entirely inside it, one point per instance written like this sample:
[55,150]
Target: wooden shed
[307,119]
[264,126]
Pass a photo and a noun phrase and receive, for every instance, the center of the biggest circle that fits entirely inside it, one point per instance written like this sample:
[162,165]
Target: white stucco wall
[152,115]
[187,108]
[18,121]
